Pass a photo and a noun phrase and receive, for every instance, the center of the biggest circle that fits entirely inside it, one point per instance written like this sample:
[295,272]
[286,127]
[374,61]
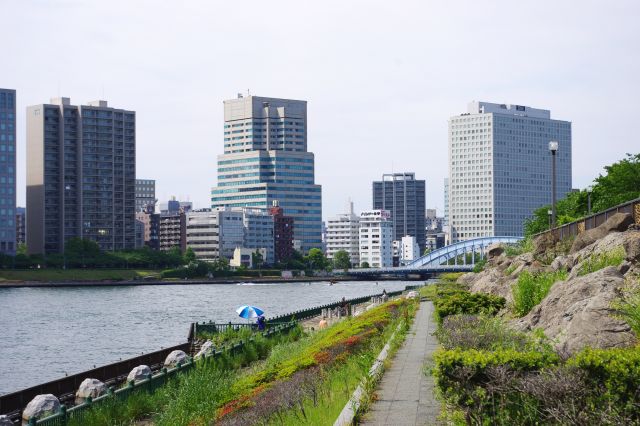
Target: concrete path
[405,393]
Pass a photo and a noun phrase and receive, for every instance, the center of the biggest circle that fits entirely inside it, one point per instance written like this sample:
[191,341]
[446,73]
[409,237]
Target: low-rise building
[376,238]
[245,257]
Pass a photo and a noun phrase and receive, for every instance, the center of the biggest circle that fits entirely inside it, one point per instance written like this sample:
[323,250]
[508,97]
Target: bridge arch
[476,246]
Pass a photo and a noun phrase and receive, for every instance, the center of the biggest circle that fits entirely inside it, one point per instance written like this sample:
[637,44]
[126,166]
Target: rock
[632,247]
[543,243]
[204,349]
[6,421]
[41,406]
[619,222]
[577,313]
[493,282]
[174,358]
[90,388]
[467,279]
[494,250]
[562,262]
[624,267]
[412,295]
[140,372]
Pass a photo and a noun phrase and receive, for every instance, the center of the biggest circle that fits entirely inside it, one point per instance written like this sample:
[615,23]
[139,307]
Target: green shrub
[479,266]
[523,246]
[530,289]
[450,277]
[598,261]
[465,302]
[482,332]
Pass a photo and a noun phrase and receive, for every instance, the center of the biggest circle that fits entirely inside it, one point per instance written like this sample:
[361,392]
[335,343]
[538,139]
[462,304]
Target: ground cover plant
[531,288]
[191,397]
[310,381]
[628,307]
[464,302]
[601,260]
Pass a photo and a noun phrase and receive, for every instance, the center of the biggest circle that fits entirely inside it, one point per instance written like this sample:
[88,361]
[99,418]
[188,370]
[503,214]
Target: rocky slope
[578,311]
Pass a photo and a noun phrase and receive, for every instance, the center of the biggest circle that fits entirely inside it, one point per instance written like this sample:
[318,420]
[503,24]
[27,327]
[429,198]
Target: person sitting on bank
[262,322]
[323,323]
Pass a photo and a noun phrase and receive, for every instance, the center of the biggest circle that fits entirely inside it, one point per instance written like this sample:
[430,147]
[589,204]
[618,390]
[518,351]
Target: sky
[381,78]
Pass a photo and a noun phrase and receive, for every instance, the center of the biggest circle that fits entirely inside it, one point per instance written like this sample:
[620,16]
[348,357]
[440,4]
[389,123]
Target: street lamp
[549,212]
[589,191]
[553,147]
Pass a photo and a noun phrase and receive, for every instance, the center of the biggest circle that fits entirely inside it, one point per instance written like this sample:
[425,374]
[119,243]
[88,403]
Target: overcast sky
[381,77]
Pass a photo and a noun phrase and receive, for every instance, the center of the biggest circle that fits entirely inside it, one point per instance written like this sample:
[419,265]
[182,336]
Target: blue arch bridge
[457,257]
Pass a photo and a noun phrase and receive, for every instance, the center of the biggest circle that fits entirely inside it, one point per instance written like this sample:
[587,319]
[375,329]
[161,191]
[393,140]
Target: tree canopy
[620,183]
[341,260]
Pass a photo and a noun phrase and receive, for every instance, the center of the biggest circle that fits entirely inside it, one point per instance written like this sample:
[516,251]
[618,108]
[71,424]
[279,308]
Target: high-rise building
[7,171]
[404,197]
[500,167]
[21,225]
[81,168]
[446,201]
[151,222]
[282,233]
[343,233]
[376,238]
[145,194]
[266,159]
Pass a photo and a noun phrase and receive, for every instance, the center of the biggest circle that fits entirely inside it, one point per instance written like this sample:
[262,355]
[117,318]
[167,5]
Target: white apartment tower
[500,168]
[343,233]
[376,238]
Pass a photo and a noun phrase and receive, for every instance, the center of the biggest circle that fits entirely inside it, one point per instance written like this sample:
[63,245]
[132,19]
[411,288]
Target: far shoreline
[224,281]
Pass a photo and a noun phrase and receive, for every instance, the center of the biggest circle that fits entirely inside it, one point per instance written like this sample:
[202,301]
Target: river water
[47,332]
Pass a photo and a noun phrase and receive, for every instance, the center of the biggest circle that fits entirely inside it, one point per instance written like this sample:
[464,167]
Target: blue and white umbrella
[247,311]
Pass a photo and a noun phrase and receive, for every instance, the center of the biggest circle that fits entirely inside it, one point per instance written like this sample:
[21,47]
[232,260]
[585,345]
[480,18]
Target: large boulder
[494,250]
[140,372]
[205,349]
[41,406]
[632,247]
[543,243]
[492,281]
[619,222]
[174,358]
[6,421]
[577,313]
[90,388]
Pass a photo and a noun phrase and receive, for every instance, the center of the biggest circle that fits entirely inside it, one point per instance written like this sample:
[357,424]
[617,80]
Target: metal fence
[150,384]
[574,228]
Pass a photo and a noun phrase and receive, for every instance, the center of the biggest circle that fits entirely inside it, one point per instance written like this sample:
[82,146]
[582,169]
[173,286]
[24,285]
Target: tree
[620,184]
[341,260]
[316,259]
[256,259]
[189,256]
[22,249]
[364,265]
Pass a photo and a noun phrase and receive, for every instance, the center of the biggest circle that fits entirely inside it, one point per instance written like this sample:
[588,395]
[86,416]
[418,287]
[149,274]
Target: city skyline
[401,85]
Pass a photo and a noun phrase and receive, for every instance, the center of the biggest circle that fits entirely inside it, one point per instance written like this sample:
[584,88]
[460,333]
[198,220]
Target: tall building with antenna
[266,159]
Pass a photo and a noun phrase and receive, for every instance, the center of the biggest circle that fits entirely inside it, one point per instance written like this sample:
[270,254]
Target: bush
[484,333]
[464,302]
[598,261]
[530,289]
[524,246]
[479,266]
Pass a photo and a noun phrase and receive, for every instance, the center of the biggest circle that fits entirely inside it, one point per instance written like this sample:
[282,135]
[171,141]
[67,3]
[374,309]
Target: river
[46,332]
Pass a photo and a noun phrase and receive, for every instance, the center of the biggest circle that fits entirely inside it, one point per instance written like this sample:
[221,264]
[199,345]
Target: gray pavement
[406,394]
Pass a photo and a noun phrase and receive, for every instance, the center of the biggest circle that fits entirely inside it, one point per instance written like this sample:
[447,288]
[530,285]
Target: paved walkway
[405,394]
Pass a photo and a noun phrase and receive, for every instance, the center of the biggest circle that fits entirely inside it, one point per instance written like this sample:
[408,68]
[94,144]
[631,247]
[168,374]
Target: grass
[524,246]
[628,307]
[74,274]
[530,289]
[598,261]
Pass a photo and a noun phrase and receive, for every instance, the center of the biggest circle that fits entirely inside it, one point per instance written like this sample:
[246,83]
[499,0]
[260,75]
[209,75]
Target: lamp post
[549,212]
[589,191]
[553,147]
